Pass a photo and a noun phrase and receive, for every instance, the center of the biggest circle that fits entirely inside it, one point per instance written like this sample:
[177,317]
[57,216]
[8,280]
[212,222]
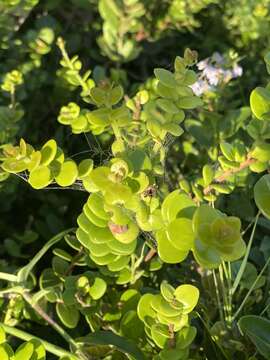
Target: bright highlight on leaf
[260,103]
[262,195]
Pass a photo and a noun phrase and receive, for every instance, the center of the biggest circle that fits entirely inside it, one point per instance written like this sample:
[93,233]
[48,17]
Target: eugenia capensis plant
[131,226]
[248,24]
[13,14]
[127,23]
[15,75]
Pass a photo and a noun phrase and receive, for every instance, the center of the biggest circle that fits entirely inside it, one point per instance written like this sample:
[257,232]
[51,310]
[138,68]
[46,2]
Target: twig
[73,262]
[53,349]
[49,320]
[150,254]
[223,177]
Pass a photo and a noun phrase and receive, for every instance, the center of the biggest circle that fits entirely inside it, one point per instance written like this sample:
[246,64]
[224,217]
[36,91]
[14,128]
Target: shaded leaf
[258,330]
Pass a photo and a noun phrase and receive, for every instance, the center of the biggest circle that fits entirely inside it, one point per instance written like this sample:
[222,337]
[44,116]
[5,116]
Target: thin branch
[53,349]
[55,326]
[73,262]
[226,174]
[8,277]
[150,255]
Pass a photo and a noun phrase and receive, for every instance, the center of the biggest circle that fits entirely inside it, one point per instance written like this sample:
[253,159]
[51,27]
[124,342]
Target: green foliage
[259,102]
[108,338]
[29,350]
[126,23]
[165,317]
[45,165]
[176,213]
[217,237]
[248,20]
[261,195]
[258,330]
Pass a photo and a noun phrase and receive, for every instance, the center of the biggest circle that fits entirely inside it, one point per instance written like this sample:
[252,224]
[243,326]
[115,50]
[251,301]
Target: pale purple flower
[218,58]
[212,74]
[202,64]
[237,71]
[227,75]
[213,71]
[200,87]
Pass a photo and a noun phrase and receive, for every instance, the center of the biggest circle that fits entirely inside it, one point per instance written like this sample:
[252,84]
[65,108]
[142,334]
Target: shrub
[161,249]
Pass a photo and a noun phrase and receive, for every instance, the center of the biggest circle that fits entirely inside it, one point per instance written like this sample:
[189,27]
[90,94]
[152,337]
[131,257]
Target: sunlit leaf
[262,195]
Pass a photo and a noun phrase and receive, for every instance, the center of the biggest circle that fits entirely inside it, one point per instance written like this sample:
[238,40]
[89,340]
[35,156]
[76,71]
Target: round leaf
[258,330]
[177,204]
[260,102]
[165,77]
[69,315]
[93,218]
[40,177]
[96,204]
[167,291]
[2,335]
[14,166]
[185,337]
[4,355]
[180,234]
[48,152]
[160,334]
[39,350]
[262,195]
[144,308]
[98,289]
[166,251]
[129,235]
[85,167]
[25,351]
[115,95]
[188,295]
[68,173]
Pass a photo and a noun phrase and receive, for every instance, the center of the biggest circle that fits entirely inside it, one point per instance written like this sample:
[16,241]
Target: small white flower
[202,64]
[227,75]
[237,71]
[212,74]
[200,87]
